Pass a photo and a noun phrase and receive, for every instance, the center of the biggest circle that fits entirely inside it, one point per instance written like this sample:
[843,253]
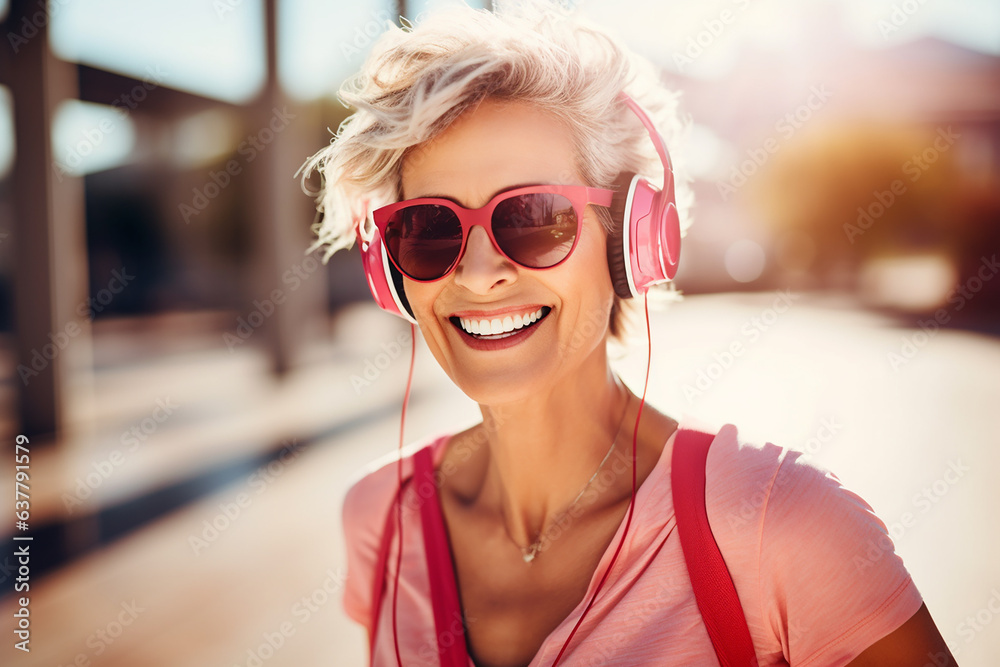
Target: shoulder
[778,494]
[745,479]
[741,471]
[775,497]
[809,555]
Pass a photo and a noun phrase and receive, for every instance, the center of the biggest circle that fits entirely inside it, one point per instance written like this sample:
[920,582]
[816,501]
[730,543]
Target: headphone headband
[658,143]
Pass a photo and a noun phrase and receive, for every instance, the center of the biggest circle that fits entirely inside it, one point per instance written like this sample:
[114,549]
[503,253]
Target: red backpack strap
[713,587]
[380,571]
[444,589]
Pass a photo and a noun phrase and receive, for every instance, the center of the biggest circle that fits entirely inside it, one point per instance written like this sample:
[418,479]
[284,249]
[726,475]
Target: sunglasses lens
[424,240]
[535,230]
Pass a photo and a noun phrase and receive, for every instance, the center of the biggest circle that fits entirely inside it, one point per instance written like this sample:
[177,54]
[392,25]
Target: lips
[499,327]
[495,326]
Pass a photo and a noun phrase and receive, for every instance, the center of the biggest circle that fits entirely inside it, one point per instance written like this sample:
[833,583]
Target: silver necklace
[529,552]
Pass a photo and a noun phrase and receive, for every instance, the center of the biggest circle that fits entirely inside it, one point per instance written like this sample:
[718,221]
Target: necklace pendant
[529,554]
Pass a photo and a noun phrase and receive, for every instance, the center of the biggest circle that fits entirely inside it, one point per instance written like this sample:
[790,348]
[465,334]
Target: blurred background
[197,392]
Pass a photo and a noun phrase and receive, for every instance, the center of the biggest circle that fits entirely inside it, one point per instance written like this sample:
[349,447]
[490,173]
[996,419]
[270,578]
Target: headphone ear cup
[617,261]
[384,280]
[643,250]
[670,240]
[399,292]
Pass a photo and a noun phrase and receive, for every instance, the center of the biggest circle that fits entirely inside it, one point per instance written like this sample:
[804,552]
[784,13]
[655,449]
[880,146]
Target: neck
[544,449]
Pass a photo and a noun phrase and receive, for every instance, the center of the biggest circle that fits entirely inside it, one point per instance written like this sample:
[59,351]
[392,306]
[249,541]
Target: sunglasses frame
[578,195]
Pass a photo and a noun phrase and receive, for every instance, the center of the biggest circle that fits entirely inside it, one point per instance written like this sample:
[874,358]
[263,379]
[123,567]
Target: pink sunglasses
[536,227]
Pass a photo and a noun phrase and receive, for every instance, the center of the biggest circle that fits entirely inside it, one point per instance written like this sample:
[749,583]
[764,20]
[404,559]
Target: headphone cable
[631,505]
[399,479]
[399,494]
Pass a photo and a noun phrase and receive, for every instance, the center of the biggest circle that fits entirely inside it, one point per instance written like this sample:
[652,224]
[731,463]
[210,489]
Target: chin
[509,385]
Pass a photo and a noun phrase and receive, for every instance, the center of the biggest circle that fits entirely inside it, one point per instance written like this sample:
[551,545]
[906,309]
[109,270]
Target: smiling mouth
[500,327]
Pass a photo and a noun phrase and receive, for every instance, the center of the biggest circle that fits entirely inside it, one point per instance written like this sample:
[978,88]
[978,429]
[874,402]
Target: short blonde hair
[421,77]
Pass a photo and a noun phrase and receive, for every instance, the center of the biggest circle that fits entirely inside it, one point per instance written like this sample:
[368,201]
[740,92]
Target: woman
[514,113]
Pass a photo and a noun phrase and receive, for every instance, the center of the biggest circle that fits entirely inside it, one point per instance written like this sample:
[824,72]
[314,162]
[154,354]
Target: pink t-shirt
[814,567]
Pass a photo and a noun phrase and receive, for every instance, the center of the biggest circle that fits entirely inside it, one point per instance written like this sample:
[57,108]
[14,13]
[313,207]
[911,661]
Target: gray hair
[421,77]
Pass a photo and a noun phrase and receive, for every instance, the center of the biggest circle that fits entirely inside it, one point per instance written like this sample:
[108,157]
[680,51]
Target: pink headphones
[648,254]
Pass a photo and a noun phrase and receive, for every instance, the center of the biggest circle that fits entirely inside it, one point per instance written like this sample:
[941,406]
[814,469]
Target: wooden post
[50,277]
[281,217]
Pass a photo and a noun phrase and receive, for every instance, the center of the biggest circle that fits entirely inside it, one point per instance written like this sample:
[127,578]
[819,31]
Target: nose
[482,267]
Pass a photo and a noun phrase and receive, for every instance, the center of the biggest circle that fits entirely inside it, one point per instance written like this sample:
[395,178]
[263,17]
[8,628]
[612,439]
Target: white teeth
[500,326]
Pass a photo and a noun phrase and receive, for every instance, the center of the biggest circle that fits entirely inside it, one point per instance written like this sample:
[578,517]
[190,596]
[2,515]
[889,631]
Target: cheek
[592,265]
[420,295]
[588,294]
[422,298]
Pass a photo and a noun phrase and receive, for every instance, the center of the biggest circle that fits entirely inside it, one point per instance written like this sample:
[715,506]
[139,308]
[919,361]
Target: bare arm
[916,643]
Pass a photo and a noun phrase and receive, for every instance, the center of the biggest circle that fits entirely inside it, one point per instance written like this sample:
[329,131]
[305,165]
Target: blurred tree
[840,196]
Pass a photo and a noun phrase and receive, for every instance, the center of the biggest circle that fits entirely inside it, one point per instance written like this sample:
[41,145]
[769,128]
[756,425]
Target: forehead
[490,148]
